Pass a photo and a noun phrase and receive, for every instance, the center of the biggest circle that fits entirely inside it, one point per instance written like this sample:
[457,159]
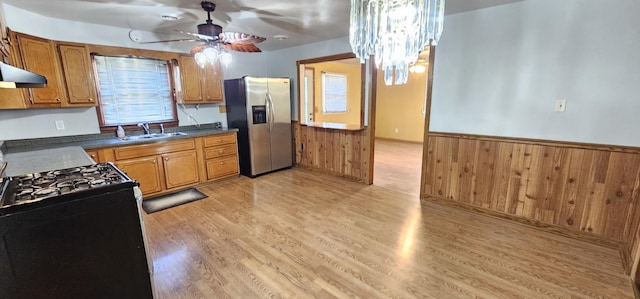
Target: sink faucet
[145,127]
[161,129]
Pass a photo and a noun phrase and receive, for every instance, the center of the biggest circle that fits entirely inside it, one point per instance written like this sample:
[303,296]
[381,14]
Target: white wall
[282,63]
[36,123]
[499,71]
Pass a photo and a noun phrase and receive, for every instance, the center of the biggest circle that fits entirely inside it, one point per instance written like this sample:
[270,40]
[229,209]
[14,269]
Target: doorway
[400,116]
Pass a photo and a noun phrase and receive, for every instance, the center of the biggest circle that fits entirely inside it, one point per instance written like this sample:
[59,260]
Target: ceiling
[302,21]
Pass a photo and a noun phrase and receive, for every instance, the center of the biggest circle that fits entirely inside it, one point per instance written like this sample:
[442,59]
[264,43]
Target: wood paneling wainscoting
[582,190]
[339,152]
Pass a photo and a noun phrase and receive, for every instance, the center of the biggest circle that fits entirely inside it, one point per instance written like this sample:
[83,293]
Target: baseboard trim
[535,224]
[399,140]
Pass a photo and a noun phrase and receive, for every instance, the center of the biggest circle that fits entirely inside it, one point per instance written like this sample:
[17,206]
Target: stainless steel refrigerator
[260,108]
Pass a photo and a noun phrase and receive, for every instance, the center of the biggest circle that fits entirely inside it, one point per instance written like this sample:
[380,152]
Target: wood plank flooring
[301,234]
[397,165]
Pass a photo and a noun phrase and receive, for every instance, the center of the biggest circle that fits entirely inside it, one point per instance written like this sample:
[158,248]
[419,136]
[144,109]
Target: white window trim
[164,103]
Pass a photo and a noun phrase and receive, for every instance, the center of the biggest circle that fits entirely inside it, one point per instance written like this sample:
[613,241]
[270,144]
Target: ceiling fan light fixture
[226,58]
[211,54]
[200,59]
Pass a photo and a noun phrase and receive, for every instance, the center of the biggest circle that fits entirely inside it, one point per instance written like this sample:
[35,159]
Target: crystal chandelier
[395,31]
[420,65]
[211,54]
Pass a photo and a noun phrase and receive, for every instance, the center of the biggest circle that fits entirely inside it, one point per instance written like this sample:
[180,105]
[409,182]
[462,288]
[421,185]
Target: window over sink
[132,90]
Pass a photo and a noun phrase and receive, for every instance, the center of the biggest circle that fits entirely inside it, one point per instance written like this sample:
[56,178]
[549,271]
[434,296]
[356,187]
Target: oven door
[84,248]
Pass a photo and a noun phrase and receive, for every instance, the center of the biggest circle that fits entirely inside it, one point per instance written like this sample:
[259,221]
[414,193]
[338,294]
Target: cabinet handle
[221,163]
[199,98]
[90,100]
[219,140]
[154,161]
[220,151]
[166,159]
[58,99]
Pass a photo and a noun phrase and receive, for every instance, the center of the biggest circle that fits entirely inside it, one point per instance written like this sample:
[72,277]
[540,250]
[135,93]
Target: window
[334,93]
[133,90]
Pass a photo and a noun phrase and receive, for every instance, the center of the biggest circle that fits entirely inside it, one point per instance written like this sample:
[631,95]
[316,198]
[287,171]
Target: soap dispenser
[120,132]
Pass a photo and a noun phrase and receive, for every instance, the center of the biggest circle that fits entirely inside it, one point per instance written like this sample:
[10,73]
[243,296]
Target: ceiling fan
[212,36]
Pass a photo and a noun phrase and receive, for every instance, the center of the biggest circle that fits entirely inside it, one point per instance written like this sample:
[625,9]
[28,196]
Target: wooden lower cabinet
[180,169]
[166,166]
[94,155]
[221,167]
[162,166]
[146,171]
[221,155]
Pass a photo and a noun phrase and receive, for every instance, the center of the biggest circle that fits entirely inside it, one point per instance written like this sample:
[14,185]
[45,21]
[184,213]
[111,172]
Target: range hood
[13,77]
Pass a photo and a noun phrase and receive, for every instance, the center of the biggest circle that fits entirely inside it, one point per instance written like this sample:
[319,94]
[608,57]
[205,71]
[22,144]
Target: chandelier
[211,54]
[420,65]
[394,31]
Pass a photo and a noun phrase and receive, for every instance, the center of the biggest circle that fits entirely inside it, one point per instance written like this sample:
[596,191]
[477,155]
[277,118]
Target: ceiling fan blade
[197,49]
[241,47]
[200,36]
[236,37]
[171,40]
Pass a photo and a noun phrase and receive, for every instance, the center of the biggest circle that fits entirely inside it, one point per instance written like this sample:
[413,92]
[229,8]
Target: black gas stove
[39,188]
[73,233]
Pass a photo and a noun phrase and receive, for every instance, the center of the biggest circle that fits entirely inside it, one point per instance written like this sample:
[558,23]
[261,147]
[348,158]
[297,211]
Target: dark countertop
[42,154]
[46,160]
[95,141]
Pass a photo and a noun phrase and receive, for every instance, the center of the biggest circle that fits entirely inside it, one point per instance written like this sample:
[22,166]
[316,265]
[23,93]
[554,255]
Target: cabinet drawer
[219,139]
[222,167]
[220,151]
[134,151]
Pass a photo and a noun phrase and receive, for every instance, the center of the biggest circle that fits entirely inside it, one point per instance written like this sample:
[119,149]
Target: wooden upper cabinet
[12,98]
[200,85]
[190,79]
[39,56]
[212,83]
[78,75]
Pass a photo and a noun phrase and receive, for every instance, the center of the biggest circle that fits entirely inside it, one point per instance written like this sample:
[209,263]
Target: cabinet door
[180,169]
[144,170]
[78,75]
[12,98]
[190,74]
[220,167]
[38,56]
[93,154]
[212,83]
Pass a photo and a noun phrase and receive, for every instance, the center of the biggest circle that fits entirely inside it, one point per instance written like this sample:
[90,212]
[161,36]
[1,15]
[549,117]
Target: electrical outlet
[59,125]
[561,105]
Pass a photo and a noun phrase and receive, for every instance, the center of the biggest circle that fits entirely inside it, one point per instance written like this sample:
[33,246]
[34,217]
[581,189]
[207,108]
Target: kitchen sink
[153,136]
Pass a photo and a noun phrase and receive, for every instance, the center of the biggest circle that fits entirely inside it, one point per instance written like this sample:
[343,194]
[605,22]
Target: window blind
[334,93]
[133,90]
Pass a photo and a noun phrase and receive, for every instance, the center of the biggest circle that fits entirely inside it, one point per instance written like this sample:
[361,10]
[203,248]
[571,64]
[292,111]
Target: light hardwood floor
[301,234]
[396,165]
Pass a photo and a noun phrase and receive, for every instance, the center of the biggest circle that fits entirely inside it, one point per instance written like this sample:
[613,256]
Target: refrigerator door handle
[267,105]
[272,111]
